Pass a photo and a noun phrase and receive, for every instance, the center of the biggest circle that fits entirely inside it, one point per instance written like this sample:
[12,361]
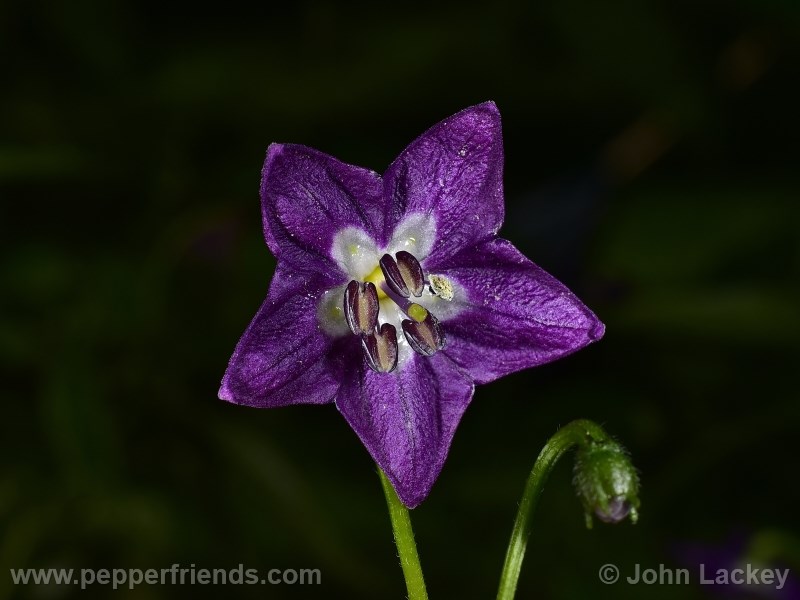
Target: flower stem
[404,539]
[577,432]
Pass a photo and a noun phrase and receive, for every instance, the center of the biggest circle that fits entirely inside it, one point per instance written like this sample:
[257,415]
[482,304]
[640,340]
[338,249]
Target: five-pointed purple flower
[393,296]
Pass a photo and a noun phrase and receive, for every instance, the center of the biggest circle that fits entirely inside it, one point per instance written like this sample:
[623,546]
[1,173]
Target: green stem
[578,432]
[404,539]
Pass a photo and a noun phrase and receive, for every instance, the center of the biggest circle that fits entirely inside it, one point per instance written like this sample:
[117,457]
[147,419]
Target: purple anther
[361,307]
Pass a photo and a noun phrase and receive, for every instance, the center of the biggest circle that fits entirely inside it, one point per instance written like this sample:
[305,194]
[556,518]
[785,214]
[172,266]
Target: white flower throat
[389,301]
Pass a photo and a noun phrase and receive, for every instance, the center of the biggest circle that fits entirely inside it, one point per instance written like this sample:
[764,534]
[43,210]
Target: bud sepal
[606,482]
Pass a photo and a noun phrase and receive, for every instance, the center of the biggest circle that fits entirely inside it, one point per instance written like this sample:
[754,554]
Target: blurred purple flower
[736,553]
[393,296]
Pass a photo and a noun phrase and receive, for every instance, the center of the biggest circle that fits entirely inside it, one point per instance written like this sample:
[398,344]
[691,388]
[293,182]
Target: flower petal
[452,172]
[282,357]
[514,316]
[307,197]
[406,419]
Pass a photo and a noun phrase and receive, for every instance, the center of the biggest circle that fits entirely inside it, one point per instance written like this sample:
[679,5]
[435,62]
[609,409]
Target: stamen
[412,272]
[425,336]
[393,276]
[404,275]
[380,349]
[361,307]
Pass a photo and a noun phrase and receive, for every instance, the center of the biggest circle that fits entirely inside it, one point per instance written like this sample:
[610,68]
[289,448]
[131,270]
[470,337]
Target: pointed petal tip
[225,393]
[410,495]
[592,330]
[484,109]
[274,150]
[489,105]
[597,330]
[412,502]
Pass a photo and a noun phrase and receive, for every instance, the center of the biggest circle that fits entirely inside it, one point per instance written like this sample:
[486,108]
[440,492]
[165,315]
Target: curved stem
[404,540]
[577,432]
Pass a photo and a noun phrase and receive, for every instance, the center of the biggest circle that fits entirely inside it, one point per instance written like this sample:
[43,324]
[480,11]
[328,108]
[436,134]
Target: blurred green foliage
[652,164]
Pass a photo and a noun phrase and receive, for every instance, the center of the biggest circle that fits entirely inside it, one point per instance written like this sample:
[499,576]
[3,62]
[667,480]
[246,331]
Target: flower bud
[606,482]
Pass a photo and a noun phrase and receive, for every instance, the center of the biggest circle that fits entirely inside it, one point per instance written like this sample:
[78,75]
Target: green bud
[606,482]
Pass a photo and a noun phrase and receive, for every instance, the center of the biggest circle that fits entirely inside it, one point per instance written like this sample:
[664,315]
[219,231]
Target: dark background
[651,164]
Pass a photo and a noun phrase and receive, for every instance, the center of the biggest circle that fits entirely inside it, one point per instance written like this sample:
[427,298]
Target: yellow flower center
[376,277]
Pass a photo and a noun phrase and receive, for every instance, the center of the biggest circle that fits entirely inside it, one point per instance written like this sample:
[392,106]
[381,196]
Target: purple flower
[393,296]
